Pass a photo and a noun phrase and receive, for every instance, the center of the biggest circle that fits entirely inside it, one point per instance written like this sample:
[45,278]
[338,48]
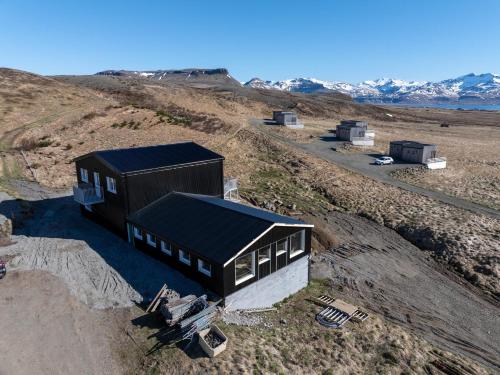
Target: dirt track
[377,268]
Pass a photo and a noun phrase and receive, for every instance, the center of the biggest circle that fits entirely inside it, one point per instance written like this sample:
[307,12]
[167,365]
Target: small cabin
[248,256]
[412,152]
[356,132]
[111,184]
[288,119]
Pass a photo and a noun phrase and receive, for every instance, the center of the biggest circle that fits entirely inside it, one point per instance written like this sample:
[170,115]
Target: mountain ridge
[484,88]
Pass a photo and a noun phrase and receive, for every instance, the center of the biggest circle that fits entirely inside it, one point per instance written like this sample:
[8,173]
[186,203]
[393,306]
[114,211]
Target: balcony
[88,194]
[231,189]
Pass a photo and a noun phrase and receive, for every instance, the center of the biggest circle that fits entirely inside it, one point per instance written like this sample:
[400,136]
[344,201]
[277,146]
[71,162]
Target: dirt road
[363,164]
[377,268]
[44,330]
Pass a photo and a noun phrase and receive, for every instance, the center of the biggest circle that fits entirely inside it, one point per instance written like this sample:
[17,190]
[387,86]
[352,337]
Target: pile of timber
[184,316]
[175,311]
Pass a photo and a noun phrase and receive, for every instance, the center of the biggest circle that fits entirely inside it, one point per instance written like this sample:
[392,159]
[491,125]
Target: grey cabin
[413,152]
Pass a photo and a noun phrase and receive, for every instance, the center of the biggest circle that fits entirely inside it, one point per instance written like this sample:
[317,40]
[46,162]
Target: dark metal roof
[127,160]
[213,228]
[413,144]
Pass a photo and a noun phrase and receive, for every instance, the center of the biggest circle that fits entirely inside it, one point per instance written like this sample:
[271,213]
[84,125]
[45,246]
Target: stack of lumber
[174,311]
[165,295]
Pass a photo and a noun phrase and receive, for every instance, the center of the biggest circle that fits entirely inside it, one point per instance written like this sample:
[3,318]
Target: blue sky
[335,40]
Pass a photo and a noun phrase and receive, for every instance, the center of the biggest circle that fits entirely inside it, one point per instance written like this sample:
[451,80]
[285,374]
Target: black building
[226,246]
[115,183]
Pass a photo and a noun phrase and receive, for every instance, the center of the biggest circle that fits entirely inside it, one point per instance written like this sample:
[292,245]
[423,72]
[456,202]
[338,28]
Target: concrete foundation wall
[273,288]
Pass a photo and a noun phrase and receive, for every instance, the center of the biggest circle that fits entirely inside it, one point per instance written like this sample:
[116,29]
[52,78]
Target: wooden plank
[153,305]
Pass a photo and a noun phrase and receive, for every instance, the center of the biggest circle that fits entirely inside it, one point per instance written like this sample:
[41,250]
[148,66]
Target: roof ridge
[150,146]
[193,196]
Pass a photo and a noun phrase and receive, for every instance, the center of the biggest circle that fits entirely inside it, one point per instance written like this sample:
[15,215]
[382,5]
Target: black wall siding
[203,179]
[274,235]
[138,190]
[113,208]
[213,283]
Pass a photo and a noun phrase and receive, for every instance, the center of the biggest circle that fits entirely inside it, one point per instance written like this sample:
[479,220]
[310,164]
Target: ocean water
[476,107]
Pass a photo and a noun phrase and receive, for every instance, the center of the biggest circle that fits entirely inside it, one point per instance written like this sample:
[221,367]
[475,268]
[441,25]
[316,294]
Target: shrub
[28,144]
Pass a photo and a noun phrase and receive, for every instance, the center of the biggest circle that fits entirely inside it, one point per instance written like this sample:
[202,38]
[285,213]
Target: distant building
[287,119]
[356,132]
[416,152]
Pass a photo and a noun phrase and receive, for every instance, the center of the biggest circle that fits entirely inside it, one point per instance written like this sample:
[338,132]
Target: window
[84,175]
[137,233]
[111,184]
[297,243]
[184,257]
[204,267]
[281,247]
[265,254]
[151,240]
[166,248]
[245,267]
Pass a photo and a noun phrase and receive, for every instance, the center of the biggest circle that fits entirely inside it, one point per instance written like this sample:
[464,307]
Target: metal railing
[231,189]
[88,194]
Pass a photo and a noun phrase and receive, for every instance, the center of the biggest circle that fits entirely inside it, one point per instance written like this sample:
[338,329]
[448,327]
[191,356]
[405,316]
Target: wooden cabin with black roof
[114,183]
[248,256]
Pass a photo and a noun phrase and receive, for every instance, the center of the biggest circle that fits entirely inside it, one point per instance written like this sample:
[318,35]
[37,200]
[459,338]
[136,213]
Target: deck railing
[88,194]
[231,189]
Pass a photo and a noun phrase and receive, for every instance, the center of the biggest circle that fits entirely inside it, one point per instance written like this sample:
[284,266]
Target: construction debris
[164,295]
[337,312]
[212,340]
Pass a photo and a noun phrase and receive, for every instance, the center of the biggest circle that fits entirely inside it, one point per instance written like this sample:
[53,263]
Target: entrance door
[97,184]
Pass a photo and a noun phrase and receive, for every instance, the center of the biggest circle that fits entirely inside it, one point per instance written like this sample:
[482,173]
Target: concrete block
[271,289]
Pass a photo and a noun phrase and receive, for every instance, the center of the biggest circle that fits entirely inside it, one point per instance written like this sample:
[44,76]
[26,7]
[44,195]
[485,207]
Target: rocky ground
[414,327]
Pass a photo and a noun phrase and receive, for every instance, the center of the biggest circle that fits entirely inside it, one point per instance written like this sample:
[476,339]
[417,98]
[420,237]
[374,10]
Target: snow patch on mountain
[470,87]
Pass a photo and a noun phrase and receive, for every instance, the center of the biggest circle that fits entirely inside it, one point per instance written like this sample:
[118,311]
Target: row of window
[110,181]
[245,266]
[166,248]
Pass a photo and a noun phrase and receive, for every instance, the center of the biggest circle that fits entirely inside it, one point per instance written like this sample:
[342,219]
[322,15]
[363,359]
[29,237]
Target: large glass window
[245,267]
[297,243]
[265,254]
[281,247]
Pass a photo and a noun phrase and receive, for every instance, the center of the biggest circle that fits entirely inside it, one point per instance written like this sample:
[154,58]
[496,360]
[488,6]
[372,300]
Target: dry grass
[292,342]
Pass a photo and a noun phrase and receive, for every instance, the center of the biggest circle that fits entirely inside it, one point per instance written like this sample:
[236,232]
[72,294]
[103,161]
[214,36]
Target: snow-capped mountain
[468,88]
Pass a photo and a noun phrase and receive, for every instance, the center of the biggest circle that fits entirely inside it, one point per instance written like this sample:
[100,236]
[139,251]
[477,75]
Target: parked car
[384,160]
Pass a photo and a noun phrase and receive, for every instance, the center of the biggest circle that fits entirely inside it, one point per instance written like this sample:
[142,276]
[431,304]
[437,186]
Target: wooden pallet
[332,315]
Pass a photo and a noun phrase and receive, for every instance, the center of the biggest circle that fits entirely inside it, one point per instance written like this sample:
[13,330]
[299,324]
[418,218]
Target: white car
[384,160]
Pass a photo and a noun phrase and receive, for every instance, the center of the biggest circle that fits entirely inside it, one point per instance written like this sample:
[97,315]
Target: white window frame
[268,258]
[151,239]
[281,252]
[111,184]
[166,247]
[84,175]
[202,263]
[302,234]
[183,258]
[247,277]
[137,233]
